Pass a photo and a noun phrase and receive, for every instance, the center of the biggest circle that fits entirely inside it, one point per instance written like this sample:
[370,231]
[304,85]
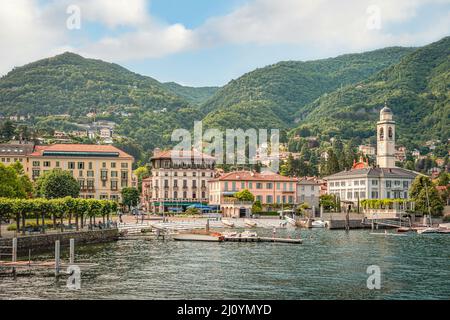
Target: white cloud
[30,30]
[152,42]
[321,23]
[25,34]
[114,13]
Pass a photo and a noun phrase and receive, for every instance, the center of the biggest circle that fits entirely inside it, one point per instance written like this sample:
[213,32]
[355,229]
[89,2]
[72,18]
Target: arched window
[390,133]
[381,134]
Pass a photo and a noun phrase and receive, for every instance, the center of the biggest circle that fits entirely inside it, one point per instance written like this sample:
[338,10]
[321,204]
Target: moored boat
[318,224]
[228,223]
[250,223]
[248,234]
[291,221]
[428,230]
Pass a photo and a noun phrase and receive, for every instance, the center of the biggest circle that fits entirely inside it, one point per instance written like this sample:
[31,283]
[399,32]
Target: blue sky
[210,42]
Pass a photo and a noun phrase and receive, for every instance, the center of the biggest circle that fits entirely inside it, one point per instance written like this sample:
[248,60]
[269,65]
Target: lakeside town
[225,150]
[189,183]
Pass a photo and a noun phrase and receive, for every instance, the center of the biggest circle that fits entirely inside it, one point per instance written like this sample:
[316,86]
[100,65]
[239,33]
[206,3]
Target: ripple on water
[329,265]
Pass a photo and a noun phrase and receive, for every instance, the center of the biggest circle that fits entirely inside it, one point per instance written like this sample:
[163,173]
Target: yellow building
[101,170]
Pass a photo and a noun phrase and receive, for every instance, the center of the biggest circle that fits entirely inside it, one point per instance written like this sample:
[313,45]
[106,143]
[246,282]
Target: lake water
[329,265]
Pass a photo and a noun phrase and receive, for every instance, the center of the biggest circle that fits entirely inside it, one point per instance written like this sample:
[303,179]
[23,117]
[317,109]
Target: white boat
[428,230]
[228,223]
[250,223]
[290,220]
[248,234]
[318,224]
[231,234]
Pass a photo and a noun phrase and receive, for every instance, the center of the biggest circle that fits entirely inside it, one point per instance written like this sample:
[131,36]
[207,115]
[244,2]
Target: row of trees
[72,209]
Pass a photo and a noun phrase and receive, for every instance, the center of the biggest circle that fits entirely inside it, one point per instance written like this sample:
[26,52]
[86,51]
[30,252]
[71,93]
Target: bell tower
[386,139]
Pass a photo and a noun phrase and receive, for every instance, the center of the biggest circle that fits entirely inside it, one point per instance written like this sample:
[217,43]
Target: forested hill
[69,83]
[195,95]
[270,96]
[417,89]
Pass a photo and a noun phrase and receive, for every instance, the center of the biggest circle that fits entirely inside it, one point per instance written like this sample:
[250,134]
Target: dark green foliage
[416,89]
[269,97]
[130,196]
[68,83]
[13,182]
[195,95]
[244,195]
[58,184]
[426,197]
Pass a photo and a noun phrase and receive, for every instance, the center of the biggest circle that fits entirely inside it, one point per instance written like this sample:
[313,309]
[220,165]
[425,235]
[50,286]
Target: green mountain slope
[417,89]
[286,87]
[195,95]
[69,83]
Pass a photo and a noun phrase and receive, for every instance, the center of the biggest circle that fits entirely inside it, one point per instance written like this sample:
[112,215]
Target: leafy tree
[426,197]
[443,179]
[244,195]
[257,207]
[13,185]
[328,202]
[58,184]
[130,197]
[7,130]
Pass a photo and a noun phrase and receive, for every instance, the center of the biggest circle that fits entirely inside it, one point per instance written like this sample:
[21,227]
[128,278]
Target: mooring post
[72,251]
[57,258]
[14,253]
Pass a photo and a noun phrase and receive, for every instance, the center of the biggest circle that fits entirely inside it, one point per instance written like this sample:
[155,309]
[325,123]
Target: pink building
[269,188]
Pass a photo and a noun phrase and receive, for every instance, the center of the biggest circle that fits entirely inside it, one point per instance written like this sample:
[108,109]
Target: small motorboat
[248,234]
[250,223]
[291,221]
[318,224]
[230,234]
[228,223]
[428,230]
[199,236]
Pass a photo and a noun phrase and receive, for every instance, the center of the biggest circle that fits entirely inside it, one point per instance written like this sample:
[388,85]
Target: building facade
[268,188]
[380,182]
[102,171]
[308,191]
[178,180]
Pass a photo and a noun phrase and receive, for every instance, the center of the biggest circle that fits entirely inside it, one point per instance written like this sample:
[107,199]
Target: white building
[105,133]
[367,150]
[380,182]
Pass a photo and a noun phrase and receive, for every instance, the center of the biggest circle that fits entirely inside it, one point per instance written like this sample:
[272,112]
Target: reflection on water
[329,265]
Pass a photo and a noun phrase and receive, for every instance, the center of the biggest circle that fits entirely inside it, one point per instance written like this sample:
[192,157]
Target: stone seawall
[44,242]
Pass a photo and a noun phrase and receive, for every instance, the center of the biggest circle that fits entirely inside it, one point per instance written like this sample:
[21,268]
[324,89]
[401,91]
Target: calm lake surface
[329,265]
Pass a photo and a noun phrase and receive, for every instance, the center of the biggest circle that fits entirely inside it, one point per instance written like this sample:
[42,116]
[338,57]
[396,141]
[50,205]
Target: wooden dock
[264,239]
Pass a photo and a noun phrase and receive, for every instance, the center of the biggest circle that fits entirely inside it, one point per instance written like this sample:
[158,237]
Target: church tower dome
[386,139]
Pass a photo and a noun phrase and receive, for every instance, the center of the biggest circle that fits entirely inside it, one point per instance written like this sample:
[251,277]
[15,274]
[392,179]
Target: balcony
[236,202]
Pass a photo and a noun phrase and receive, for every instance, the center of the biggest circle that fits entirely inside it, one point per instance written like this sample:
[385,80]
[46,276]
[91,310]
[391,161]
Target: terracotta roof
[253,176]
[178,154]
[89,148]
